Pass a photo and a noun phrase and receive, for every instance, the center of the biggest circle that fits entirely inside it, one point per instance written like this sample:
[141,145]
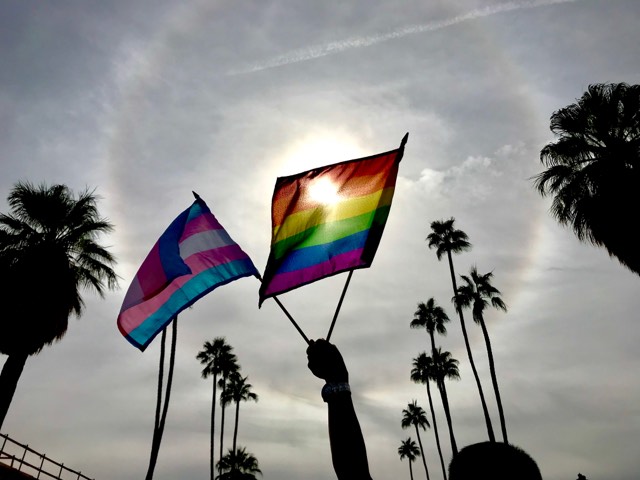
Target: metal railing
[24,459]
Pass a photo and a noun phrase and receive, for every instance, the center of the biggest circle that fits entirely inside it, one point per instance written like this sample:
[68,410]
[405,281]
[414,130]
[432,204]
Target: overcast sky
[146,101]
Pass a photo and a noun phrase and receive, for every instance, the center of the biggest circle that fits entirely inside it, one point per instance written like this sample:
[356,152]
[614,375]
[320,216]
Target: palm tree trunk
[487,418]
[433,345]
[222,394]
[447,412]
[410,470]
[213,423]
[9,377]
[435,430]
[433,413]
[235,430]
[424,460]
[494,379]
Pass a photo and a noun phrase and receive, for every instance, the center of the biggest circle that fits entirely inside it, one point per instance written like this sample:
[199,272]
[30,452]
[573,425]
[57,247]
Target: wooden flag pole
[156,424]
[335,316]
[160,419]
[172,361]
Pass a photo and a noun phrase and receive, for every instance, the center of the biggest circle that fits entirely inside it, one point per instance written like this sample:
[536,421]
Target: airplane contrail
[317,51]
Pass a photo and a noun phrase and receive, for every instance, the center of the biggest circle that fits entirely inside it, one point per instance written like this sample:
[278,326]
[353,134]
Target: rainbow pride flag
[328,220]
[192,257]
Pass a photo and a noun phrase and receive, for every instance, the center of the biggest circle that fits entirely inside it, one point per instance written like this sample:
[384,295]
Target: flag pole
[156,424]
[293,322]
[158,430]
[291,319]
[335,316]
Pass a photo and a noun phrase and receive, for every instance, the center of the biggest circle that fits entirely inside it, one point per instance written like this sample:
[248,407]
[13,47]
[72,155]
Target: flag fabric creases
[328,220]
[192,257]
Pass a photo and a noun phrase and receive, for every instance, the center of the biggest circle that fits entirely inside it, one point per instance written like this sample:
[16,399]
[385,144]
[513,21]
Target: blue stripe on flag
[170,259]
[187,295]
[309,256]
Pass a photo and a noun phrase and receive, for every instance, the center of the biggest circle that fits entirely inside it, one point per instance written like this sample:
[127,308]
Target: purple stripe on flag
[283,282]
[134,294]
[151,274]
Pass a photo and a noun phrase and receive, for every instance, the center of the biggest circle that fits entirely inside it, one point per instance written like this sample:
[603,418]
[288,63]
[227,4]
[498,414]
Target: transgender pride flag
[191,258]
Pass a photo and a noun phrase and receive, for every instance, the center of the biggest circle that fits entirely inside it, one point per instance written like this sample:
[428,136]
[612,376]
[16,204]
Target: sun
[317,149]
[324,191]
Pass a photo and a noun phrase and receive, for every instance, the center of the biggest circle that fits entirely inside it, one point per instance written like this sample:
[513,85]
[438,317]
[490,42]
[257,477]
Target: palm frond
[593,167]
[51,236]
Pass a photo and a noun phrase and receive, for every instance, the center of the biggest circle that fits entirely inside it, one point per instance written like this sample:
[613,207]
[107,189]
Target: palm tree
[445,367]
[238,465]
[477,293]
[446,239]
[49,252]
[228,366]
[213,355]
[238,390]
[422,373]
[409,450]
[415,415]
[432,317]
[593,168]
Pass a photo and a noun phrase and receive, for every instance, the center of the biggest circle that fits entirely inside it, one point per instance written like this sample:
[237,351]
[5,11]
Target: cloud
[317,51]
[469,181]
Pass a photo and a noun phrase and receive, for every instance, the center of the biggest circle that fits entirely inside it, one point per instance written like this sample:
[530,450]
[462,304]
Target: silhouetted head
[493,461]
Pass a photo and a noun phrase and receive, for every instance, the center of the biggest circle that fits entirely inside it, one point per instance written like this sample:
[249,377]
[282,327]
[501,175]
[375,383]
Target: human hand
[325,362]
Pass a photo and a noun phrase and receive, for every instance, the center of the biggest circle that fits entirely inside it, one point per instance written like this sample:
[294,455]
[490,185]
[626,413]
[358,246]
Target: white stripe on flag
[203,241]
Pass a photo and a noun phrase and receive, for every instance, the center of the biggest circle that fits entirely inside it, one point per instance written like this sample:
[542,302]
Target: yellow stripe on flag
[351,207]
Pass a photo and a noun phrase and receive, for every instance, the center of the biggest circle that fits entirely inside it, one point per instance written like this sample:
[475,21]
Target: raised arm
[348,451]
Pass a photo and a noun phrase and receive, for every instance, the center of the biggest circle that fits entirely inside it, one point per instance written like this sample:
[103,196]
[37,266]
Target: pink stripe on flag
[135,316]
[131,318]
[201,261]
[201,223]
[283,282]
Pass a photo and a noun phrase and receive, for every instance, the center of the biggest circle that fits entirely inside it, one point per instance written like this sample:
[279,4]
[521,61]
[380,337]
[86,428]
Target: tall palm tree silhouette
[446,239]
[238,390]
[593,169]
[422,372]
[238,465]
[409,450]
[431,317]
[415,416]
[477,293]
[228,366]
[445,367]
[213,356]
[49,252]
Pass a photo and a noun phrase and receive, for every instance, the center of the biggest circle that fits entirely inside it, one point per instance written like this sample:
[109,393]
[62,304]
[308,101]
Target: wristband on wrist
[330,390]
